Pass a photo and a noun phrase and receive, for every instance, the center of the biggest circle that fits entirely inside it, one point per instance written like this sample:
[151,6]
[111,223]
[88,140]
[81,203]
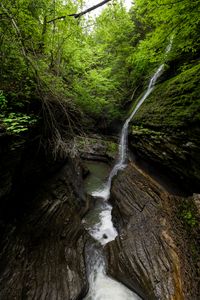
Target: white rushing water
[104,191]
[99,221]
[103,287]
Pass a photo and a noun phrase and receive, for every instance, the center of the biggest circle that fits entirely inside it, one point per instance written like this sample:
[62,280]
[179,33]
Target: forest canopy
[63,69]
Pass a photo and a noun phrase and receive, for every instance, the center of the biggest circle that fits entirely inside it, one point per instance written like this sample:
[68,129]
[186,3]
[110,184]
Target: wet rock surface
[96,147]
[150,254]
[166,128]
[42,251]
[177,153]
[10,156]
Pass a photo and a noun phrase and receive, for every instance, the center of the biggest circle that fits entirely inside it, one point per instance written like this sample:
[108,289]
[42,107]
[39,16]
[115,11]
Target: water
[99,221]
[103,287]
[98,173]
[104,191]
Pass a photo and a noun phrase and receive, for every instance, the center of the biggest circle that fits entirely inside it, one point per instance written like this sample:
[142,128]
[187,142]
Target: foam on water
[105,288]
[102,287]
[99,223]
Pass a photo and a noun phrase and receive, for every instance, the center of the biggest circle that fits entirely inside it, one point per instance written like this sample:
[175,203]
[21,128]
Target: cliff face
[166,129]
[151,253]
[42,240]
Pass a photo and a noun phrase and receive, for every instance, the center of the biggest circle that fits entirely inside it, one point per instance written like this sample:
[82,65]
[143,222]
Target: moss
[173,103]
[141,131]
[187,213]
[112,148]
[96,145]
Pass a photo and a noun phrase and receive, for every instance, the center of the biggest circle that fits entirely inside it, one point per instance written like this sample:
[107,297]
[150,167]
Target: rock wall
[166,128]
[42,240]
[150,253]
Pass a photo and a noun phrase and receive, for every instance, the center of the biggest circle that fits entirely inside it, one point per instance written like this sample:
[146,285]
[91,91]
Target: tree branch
[78,15]
[58,18]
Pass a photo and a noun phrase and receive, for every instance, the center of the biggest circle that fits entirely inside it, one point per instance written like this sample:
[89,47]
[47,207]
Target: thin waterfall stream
[99,221]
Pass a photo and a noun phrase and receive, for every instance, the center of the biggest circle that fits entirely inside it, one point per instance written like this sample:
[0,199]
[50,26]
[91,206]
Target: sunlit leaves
[167,17]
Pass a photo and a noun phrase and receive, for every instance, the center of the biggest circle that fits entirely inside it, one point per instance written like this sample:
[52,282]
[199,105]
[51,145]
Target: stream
[99,223]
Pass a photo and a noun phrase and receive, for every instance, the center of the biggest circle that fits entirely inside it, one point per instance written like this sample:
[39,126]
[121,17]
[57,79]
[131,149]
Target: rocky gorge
[165,130]
[42,252]
[99,150]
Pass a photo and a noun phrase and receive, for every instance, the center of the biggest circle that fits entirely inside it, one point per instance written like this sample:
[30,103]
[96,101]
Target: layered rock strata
[42,252]
[150,254]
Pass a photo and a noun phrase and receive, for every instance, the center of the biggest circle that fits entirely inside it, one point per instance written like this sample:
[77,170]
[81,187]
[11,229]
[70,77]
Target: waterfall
[104,191]
[103,287]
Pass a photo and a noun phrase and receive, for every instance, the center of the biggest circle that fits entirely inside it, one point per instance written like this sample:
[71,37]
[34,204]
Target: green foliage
[187,213]
[167,17]
[14,122]
[70,67]
[17,122]
[104,82]
[3,101]
[189,218]
[112,149]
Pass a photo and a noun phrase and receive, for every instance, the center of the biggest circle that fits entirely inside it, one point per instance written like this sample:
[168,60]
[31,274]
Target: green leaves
[188,214]
[17,122]
[3,101]
[169,17]
[96,69]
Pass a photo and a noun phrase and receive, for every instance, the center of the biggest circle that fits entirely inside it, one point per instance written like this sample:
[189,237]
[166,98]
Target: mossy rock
[166,128]
[174,103]
[95,147]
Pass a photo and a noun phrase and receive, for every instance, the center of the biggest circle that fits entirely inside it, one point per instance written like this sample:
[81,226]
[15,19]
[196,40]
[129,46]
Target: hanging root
[61,121]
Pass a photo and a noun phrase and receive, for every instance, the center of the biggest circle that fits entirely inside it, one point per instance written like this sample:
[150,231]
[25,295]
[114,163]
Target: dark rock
[42,253]
[150,254]
[174,152]
[23,165]
[96,147]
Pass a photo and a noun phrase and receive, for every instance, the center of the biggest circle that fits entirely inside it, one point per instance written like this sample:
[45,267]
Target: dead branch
[58,18]
[78,15]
